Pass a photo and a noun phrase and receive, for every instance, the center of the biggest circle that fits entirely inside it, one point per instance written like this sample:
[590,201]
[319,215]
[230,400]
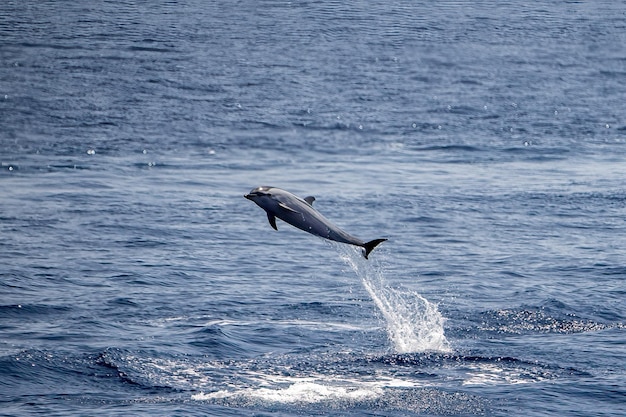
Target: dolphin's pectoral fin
[272,220]
[310,199]
[286,207]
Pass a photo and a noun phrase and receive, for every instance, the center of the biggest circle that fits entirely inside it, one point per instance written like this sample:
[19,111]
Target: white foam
[302,390]
[314,392]
[492,374]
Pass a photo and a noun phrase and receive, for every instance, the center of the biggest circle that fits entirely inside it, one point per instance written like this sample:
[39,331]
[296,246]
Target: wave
[430,382]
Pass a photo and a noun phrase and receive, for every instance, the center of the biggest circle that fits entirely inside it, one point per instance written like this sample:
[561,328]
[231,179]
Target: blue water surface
[485,140]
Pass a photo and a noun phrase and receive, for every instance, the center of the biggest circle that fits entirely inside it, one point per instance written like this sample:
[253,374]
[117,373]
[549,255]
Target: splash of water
[413,323]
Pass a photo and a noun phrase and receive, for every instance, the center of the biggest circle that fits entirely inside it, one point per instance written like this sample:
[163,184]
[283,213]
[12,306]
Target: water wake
[413,323]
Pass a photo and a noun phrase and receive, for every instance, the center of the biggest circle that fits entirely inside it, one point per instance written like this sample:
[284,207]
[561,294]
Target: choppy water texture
[485,140]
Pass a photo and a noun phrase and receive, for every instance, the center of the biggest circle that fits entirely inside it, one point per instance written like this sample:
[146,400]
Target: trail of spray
[413,323]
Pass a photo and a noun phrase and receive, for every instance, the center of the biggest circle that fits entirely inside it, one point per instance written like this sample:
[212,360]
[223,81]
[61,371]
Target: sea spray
[413,323]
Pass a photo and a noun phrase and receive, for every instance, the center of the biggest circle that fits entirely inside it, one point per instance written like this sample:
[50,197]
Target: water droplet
[91,152]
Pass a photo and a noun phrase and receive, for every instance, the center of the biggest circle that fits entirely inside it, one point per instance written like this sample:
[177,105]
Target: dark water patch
[610,270]
[32,311]
[491,152]
[424,219]
[48,45]
[142,242]
[123,302]
[219,342]
[315,307]
[465,109]
[536,151]
[144,48]
[68,166]
[451,148]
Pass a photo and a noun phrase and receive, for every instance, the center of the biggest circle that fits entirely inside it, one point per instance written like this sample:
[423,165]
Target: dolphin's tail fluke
[369,246]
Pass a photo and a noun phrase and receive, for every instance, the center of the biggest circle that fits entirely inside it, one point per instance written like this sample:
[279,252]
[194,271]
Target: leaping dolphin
[300,213]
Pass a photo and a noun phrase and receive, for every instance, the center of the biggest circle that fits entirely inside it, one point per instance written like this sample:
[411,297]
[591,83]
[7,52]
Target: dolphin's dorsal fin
[286,207]
[310,199]
[272,220]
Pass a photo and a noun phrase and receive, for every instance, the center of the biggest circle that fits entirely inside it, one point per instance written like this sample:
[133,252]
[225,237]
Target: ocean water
[485,140]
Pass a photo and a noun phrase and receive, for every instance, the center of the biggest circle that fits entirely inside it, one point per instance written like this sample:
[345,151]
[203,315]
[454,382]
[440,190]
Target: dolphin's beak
[248,196]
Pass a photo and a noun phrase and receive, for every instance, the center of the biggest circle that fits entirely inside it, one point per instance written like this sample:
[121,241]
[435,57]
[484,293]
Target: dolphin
[299,212]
